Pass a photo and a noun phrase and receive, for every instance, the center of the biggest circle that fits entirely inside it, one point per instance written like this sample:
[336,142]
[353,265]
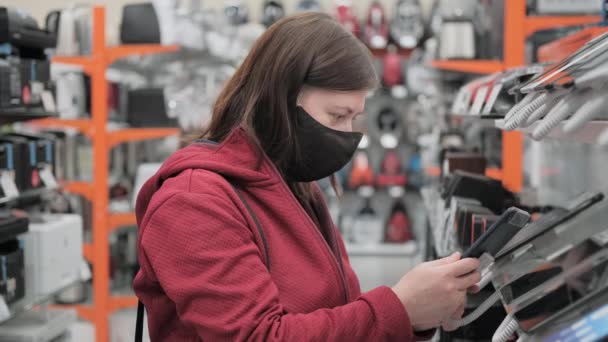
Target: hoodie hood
[236,159]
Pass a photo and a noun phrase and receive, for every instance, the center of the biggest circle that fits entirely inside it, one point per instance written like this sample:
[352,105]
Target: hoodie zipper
[335,257]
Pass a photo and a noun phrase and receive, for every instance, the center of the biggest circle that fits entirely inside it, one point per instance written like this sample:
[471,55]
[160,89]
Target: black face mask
[323,151]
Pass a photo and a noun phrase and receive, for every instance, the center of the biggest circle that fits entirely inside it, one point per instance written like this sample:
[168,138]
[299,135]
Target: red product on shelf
[392,72]
[398,226]
[361,173]
[346,17]
[376,29]
[392,173]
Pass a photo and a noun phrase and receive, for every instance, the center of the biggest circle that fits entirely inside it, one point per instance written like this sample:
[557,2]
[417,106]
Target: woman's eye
[339,117]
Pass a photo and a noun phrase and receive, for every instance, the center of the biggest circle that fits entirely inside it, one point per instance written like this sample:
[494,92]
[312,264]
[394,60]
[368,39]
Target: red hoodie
[203,269]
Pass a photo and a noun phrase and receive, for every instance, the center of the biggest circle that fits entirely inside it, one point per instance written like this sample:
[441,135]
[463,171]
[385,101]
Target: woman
[236,243]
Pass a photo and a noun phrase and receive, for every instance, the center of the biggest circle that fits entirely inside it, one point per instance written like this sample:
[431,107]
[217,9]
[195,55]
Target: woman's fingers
[468,281]
[462,267]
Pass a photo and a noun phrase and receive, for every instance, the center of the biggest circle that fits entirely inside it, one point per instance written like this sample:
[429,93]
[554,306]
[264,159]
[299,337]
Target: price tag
[5,312]
[85,271]
[48,101]
[7,182]
[492,99]
[48,178]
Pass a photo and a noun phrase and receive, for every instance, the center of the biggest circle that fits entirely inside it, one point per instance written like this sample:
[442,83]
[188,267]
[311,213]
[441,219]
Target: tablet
[499,234]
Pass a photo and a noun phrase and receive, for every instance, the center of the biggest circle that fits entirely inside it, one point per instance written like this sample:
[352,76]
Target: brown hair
[306,49]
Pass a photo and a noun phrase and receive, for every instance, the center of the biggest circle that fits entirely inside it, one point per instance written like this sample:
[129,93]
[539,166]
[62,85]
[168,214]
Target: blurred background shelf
[588,134]
[8,116]
[469,66]
[384,249]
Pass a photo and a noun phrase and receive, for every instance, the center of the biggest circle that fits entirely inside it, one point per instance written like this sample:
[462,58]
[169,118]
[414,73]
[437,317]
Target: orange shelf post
[86,63]
[538,23]
[84,311]
[121,220]
[95,128]
[83,189]
[87,252]
[469,66]
[99,118]
[137,134]
[84,126]
[122,51]
[494,173]
[515,52]
[122,302]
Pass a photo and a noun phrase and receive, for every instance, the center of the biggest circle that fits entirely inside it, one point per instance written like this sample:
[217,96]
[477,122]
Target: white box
[53,254]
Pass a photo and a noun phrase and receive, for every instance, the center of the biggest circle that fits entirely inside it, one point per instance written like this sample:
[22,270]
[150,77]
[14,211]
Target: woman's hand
[436,291]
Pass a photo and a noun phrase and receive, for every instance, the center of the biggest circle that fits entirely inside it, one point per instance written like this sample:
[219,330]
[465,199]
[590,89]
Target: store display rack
[516,30]
[26,195]
[588,134]
[9,116]
[531,24]
[103,140]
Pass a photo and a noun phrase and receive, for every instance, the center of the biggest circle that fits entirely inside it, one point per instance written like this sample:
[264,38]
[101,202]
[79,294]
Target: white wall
[39,8]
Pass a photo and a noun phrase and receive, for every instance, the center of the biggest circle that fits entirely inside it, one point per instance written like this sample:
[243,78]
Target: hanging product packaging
[367,226]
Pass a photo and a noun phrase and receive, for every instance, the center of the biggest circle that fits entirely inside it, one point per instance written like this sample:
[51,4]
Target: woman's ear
[303,92]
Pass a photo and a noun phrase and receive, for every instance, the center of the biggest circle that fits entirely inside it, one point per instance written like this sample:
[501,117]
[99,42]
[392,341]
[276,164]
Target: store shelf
[29,303]
[8,116]
[122,51]
[136,134]
[87,252]
[538,23]
[83,126]
[380,53]
[385,249]
[27,195]
[84,311]
[86,63]
[122,302]
[469,66]
[119,220]
[83,189]
[490,172]
[588,134]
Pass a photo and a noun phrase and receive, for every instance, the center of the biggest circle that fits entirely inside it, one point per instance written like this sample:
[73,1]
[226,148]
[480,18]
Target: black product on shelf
[21,30]
[7,162]
[12,278]
[37,152]
[464,161]
[10,83]
[21,158]
[139,24]
[35,78]
[146,108]
[488,191]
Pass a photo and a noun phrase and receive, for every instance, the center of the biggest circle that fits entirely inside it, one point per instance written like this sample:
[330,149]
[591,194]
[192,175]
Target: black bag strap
[139,323]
